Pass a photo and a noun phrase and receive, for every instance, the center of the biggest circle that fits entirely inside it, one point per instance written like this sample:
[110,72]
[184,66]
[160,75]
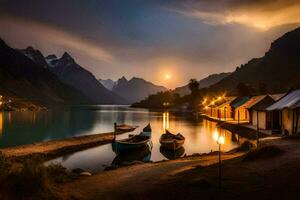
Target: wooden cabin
[266,119]
[245,111]
[239,112]
[225,109]
[288,108]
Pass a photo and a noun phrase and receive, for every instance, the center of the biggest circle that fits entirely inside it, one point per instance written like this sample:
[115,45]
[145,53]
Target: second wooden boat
[171,141]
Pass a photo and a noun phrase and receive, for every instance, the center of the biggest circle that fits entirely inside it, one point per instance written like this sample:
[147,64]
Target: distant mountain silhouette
[107,83]
[135,89]
[69,72]
[278,69]
[21,77]
[203,83]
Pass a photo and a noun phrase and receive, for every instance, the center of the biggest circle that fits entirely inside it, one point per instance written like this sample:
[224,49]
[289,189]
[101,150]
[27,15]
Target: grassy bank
[28,178]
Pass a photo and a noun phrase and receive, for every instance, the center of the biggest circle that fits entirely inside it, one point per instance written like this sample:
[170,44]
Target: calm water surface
[18,128]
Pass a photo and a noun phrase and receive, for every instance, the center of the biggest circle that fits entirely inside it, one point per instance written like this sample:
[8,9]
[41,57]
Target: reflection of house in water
[1,123]
[166,121]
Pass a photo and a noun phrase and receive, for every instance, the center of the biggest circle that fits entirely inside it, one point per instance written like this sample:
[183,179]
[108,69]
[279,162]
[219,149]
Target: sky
[167,42]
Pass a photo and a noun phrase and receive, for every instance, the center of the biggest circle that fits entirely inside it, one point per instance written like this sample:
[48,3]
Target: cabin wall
[244,114]
[262,119]
[225,111]
[287,121]
[213,112]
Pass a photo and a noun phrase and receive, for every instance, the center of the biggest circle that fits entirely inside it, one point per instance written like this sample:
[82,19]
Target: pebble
[85,174]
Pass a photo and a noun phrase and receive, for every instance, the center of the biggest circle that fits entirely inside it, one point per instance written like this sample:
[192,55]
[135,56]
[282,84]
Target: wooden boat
[124,128]
[171,141]
[133,142]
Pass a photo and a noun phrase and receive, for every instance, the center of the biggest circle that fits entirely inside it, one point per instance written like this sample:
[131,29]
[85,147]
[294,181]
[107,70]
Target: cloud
[19,31]
[147,38]
[262,15]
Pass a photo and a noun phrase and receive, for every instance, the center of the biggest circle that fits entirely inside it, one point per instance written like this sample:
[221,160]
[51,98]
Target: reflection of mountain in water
[171,155]
[29,127]
[142,155]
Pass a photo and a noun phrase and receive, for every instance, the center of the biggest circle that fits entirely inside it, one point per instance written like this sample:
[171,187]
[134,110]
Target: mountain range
[29,75]
[75,76]
[133,90]
[108,83]
[278,70]
[21,77]
[203,83]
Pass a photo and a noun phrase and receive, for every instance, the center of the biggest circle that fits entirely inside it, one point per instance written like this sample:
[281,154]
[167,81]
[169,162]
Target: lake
[17,128]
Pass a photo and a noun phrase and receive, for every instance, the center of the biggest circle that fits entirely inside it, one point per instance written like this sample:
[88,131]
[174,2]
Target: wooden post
[115,131]
[293,123]
[220,168]
[257,130]
[280,115]
[238,119]
[272,119]
[225,113]
[297,119]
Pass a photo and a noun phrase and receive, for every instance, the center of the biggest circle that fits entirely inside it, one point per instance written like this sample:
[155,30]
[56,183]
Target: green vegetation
[29,178]
[160,100]
[172,100]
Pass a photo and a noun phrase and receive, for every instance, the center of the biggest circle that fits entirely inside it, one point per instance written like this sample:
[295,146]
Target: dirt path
[58,147]
[274,177]
[133,180]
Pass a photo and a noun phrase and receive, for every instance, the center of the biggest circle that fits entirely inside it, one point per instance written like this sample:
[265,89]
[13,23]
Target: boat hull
[170,141]
[124,147]
[133,142]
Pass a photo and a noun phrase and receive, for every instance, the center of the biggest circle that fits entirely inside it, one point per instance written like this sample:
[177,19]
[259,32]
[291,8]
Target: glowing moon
[168,76]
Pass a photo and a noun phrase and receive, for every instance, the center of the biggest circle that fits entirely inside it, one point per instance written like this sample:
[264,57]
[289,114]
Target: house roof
[253,101]
[276,97]
[240,102]
[228,100]
[263,104]
[291,100]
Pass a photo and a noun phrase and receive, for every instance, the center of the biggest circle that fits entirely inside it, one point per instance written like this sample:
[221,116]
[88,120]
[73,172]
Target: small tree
[194,86]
